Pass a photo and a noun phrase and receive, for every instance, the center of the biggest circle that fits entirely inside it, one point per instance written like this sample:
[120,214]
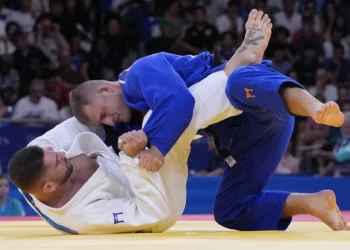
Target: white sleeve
[62,136]
[141,213]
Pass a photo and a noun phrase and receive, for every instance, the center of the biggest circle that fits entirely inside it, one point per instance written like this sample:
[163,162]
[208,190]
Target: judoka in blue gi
[252,144]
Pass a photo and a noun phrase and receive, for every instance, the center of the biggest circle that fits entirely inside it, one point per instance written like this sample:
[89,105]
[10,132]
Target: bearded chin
[69,171]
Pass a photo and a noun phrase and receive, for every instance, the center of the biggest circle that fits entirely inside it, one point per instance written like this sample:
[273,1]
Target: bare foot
[323,205]
[329,114]
[258,33]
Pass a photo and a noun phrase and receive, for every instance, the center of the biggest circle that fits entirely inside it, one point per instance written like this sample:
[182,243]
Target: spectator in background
[58,93]
[56,12]
[201,36]
[171,24]
[68,74]
[86,32]
[280,38]
[328,18]
[108,75]
[308,9]
[116,42]
[343,95]
[116,4]
[307,65]
[341,151]
[289,163]
[338,65]
[279,62]
[289,17]
[293,74]
[340,24]
[98,59]
[345,107]
[56,89]
[323,86]
[262,5]
[40,6]
[8,206]
[25,56]
[231,21]
[307,35]
[48,38]
[336,38]
[9,80]
[213,9]
[339,158]
[6,45]
[312,135]
[71,18]
[36,106]
[229,45]
[6,15]
[24,16]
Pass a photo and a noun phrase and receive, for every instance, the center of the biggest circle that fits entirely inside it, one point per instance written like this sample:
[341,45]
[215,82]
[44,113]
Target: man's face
[279,55]
[4,187]
[343,94]
[36,92]
[57,170]
[309,54]
[199,17]
[21,43]
[108,108]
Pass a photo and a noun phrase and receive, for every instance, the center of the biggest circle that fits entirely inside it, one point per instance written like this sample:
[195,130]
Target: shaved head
[98,101]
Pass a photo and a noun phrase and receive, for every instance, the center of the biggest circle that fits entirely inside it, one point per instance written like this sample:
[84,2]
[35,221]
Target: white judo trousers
[122,197]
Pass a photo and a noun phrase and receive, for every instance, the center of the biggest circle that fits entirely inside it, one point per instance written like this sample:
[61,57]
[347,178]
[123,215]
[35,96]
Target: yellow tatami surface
[185,235]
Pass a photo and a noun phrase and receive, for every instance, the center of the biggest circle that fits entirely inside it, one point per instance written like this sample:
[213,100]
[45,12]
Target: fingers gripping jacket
[136,160]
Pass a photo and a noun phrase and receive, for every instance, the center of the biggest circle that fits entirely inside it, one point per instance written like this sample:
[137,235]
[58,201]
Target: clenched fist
[132,143]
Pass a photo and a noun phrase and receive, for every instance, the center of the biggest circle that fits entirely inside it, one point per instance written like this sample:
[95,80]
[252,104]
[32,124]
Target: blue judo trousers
[257,140]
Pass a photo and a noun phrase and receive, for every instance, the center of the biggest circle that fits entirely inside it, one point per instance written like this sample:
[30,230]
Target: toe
[267,22]
[253,14]
[265,17]
[260,15]
[269,27]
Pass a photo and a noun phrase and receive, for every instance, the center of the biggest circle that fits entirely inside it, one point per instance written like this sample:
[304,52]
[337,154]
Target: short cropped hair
[81,96]
[26,166]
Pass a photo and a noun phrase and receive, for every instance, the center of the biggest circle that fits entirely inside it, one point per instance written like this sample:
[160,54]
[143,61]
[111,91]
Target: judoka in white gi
[80,186]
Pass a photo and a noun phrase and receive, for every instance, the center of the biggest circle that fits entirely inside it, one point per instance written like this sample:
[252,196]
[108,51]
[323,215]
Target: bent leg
[241,203]
[259,87]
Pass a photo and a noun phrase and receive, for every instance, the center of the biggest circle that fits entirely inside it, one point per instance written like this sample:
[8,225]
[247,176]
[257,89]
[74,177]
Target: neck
[34,100]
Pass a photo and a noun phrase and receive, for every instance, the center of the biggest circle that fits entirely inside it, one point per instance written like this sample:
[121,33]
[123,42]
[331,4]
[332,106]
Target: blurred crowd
[47,47]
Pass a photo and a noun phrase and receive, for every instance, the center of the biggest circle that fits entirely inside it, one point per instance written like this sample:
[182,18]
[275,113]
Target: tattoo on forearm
[250,38]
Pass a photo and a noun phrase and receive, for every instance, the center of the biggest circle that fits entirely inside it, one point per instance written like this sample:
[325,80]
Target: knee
[225,218]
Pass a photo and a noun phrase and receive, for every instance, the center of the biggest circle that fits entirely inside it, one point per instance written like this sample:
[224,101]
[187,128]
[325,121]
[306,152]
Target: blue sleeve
[156,82]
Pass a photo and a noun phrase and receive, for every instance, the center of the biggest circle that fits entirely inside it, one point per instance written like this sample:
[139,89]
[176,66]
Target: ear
[105,90]
[49,187]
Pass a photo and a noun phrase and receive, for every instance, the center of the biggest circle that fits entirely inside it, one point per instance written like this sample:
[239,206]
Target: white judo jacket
[121,197]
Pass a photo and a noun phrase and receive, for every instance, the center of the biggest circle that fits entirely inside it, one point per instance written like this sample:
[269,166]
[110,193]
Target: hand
[151,159]
[132,143]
